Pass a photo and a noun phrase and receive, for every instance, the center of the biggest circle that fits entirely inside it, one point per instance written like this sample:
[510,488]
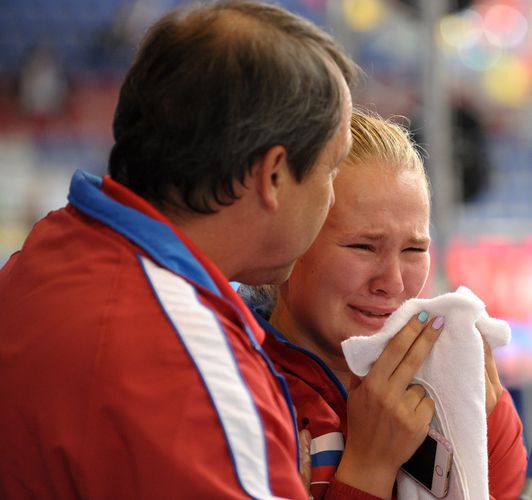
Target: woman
[371,255]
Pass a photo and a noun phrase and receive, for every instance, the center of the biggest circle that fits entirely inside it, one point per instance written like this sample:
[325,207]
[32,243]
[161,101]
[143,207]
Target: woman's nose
[389,277]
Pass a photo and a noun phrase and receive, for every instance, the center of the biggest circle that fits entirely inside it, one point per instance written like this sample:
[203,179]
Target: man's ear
[270,173]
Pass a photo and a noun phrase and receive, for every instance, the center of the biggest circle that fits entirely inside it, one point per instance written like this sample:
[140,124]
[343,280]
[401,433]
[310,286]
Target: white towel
[453,375]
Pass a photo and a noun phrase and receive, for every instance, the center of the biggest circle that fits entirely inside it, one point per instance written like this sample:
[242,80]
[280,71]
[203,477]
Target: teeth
[369,313]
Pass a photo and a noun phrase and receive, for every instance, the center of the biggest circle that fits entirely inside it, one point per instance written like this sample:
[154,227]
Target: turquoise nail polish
[423,316]
[438,322]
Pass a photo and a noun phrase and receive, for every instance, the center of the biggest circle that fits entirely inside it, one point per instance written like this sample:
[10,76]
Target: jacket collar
[141,223]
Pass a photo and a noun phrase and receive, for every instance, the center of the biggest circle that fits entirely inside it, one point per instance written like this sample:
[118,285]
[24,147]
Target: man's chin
[275,276]
[282,275]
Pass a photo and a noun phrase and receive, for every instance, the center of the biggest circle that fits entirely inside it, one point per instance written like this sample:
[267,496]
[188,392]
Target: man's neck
[220,236]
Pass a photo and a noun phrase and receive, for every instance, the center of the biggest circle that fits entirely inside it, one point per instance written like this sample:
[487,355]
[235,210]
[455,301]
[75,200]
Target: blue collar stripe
[269,328]
[154,237]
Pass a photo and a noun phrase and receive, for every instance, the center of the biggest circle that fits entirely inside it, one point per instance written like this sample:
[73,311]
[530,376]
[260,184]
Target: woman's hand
[494,388]
[387,417]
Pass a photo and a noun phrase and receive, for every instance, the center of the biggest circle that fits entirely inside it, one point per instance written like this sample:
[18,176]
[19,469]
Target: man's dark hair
[212,89]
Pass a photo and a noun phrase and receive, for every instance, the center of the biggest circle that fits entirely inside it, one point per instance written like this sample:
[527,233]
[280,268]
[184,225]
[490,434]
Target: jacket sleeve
[507,459]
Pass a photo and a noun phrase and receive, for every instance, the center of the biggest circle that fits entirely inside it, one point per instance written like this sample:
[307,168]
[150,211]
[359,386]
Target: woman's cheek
[417,276]
[350,274]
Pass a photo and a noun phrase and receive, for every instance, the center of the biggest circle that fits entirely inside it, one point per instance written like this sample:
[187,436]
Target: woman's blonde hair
[389,140]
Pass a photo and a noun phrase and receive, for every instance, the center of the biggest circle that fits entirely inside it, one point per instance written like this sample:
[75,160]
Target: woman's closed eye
[362,246]
[416,249]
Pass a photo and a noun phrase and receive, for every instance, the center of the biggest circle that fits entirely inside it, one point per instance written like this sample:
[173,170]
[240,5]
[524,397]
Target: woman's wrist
[374,478]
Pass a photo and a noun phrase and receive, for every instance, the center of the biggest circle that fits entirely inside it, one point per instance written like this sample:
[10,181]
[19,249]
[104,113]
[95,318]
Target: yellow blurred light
[508,82]
[363,15]
[461,30]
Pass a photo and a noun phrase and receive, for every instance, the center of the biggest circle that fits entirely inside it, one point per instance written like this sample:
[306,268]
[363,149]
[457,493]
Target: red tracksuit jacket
[129,369]
[320,402]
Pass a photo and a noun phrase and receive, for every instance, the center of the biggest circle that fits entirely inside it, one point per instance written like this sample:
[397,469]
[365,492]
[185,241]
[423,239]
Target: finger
[494,391]
[425,410]
[489,363]
[305,461]
[414,394]
[491,396]
[417,354]
[489,383]
[416,389]
[395,351]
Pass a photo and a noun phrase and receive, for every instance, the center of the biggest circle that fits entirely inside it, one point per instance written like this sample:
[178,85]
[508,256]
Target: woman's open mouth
[375,313]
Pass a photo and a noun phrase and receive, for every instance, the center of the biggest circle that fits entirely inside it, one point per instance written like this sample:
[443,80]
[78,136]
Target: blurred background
[460,71]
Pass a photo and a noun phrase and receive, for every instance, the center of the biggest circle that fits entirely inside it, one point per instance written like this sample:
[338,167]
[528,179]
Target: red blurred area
[88,110]
[498,270]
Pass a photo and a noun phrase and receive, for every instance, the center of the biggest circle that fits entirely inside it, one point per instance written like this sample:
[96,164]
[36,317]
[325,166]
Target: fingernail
[438,322]
[423,316]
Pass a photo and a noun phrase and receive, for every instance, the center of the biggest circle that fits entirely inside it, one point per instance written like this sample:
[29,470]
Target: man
[129,368]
